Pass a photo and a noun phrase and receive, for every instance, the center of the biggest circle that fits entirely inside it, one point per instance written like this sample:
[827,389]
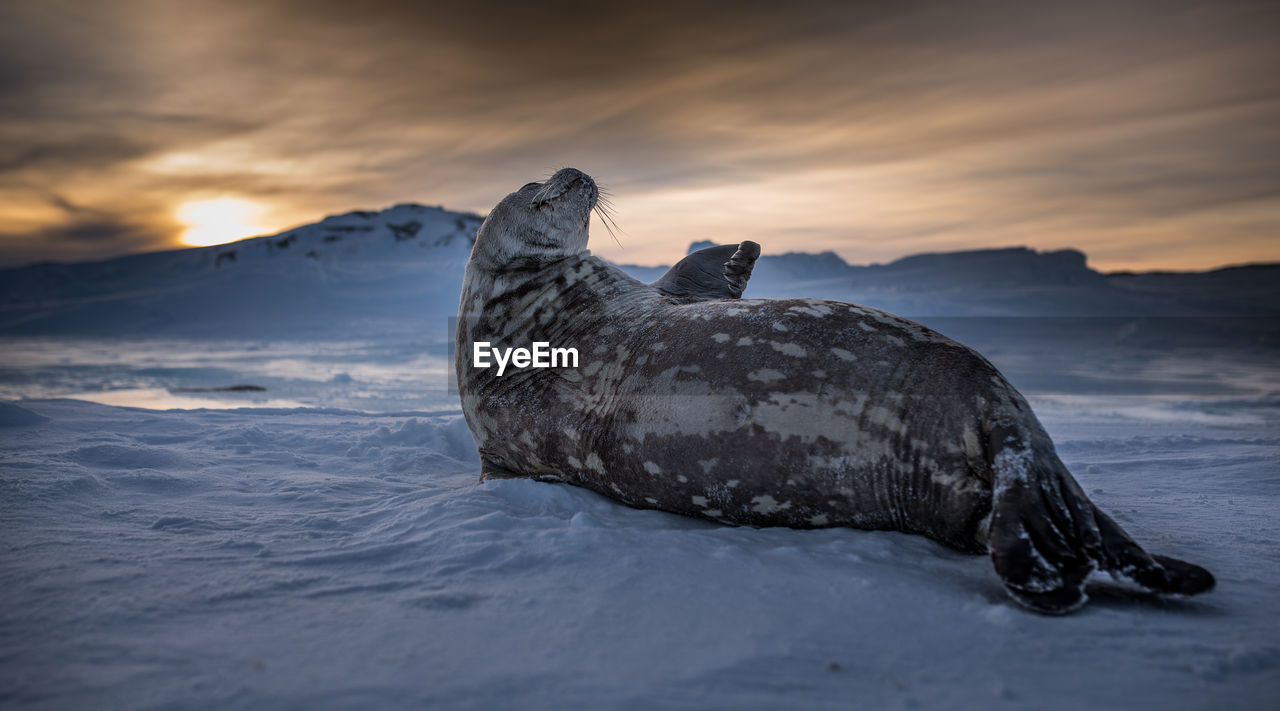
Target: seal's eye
[530,185]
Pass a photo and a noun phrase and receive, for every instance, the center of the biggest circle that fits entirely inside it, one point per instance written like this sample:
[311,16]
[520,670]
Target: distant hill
[398,272]
[368,273]
[1014,281]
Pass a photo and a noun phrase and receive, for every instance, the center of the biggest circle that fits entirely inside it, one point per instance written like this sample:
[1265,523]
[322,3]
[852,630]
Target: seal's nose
[567,179]
[568,176]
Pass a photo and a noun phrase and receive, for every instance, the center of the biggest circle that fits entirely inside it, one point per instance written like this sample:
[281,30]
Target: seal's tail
[1046,537]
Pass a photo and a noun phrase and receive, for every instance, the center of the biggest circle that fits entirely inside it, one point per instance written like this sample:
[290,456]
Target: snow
[365,375]
[326,544]
[311,558]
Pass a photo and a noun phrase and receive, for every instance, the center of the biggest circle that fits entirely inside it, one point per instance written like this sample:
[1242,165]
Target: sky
[1145,134]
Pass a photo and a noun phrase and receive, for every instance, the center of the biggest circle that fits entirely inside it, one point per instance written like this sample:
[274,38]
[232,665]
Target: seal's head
[537,224]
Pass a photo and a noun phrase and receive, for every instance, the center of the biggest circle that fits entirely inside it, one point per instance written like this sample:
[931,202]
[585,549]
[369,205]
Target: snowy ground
[162,374]
[285,557]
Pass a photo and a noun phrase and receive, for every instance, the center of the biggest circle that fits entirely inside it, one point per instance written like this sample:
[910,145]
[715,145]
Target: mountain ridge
[824,255]
[400,270]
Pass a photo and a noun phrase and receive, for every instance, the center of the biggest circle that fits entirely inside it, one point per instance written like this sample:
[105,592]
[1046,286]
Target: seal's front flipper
[489,470]
[719,272]
[738,269]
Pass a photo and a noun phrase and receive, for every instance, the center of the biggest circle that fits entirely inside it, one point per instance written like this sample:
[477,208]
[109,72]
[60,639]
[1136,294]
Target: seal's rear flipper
[1185,578]
[1046,537]
[719,272]
[1125,560]
[1035,548]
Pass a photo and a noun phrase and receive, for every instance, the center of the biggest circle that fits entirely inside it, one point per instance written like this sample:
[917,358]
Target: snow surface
[311,558]
[325,543]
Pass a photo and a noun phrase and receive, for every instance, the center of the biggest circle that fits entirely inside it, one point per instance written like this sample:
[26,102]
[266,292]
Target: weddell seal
[767,412]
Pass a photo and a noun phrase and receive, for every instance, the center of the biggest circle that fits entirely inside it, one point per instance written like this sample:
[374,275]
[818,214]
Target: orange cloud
[1142,133]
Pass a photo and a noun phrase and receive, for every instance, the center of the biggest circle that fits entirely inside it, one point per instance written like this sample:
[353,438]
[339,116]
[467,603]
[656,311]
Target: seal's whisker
[604,195]
[606,219]
[541,195]
[603,203]
[609,222]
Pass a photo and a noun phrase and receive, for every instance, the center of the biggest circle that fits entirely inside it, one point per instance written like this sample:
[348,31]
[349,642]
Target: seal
[768,412]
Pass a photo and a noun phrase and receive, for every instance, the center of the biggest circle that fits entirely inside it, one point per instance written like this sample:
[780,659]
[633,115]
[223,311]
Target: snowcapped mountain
[394,272]
[398,272]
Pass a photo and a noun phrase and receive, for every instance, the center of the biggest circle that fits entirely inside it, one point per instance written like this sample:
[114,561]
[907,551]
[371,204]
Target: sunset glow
[1140,132]
[220,220]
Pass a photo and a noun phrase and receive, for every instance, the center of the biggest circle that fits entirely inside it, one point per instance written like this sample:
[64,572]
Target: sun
[220,220]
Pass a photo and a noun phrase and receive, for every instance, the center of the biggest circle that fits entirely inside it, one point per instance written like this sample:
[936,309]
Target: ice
[152,372]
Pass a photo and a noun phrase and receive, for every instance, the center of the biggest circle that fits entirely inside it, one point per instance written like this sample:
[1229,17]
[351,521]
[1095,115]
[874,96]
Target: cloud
[83,233]
[96,231]
[829,125]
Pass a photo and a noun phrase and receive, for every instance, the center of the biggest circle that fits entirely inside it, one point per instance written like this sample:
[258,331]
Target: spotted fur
[769,412]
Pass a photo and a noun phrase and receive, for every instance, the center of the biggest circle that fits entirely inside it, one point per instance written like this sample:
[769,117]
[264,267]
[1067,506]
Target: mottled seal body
[768,412]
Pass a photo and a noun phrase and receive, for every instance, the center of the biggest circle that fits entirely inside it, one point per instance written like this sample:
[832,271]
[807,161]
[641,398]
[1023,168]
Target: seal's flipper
[1124,559]
[1185,578]
[1046,537]
[1036,549]
[490,470]
[738,269]
[719,272]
